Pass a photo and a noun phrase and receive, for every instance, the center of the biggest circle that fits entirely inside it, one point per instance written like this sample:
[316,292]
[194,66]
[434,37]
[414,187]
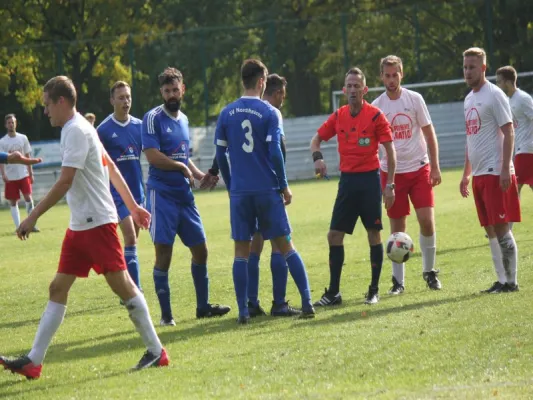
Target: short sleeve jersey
[522,109]
[19,143]
[407,116]
[170,135]
[247,127]
[122,141]
[358,137]
[89,198]
[486,111]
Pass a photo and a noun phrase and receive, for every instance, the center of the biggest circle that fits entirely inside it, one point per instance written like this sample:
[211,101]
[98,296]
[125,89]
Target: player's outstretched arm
[210,179]
[320,166]
[56,193]
[140,216]
[17,158]
[223,165]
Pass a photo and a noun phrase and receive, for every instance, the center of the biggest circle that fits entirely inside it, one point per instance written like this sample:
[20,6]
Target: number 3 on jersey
[247,126]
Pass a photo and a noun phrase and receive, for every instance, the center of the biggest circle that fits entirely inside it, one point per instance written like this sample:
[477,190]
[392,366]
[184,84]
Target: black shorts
[359,196]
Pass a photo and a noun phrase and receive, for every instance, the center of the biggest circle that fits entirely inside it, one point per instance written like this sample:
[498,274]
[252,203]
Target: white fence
[448,120]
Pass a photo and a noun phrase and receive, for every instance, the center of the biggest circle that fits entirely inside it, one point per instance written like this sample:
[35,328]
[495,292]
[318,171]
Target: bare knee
[335,238]
[163,256]
[257,244]
[427,227]
[57,292]
[130,239]
[199,253]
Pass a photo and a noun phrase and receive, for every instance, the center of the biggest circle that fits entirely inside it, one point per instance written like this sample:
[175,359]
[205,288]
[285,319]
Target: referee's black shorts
[359,196]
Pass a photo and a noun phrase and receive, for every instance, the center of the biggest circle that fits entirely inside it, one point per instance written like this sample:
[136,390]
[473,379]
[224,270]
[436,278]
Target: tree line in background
[311,42]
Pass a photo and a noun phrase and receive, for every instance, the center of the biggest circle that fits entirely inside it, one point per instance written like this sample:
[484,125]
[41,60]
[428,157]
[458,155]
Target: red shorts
[415,185]
[494,206]
[523,165]
[13,188]
[98,248]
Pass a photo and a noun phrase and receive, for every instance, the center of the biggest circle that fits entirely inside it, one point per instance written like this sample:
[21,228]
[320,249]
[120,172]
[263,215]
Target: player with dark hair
[165,142]
[249,129]
[360,128]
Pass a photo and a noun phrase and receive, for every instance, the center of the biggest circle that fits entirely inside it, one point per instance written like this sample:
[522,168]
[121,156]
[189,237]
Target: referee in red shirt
[360,128]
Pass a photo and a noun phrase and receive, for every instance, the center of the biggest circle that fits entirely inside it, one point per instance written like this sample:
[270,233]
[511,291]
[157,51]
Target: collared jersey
[122,141]
[358,137]
[169,135]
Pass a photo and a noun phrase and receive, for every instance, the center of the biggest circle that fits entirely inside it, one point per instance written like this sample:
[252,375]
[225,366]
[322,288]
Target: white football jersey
[522,109]
[89,197]
[19,143]
[407,115]
[485,112]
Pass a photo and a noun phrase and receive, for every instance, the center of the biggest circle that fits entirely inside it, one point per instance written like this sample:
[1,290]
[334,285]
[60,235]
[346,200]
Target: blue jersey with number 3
[246,127]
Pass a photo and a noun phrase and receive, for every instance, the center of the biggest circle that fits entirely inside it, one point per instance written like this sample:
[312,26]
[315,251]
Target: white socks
[510,256]
[497,259]
[398,272]
[51,319]
[140,316]
[15,215]
[428,248]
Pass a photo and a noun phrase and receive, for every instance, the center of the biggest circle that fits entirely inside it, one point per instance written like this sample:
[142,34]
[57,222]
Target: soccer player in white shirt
[522,109]
[489,149]
[416,173]
[17,178]
[91,242]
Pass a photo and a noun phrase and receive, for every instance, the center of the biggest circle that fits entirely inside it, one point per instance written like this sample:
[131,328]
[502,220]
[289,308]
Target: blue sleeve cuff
[3,158]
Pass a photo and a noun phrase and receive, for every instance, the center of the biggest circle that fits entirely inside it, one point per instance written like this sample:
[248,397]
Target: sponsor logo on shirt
[473,122]
[129,154]
[402,127]
[181,152]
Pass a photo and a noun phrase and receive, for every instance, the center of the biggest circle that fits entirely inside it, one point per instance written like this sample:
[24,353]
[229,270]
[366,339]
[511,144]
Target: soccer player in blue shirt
[120,133]
[165,141]
[249,129]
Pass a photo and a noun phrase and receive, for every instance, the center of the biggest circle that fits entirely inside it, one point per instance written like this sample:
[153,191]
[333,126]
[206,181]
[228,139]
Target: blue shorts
[171,218]
[264,213]
[122,210]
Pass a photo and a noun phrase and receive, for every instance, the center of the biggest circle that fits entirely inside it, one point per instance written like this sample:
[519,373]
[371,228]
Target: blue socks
[132,262]
[280,272]
[240,281]
[201,285]
[253,279]
[299,274]
[163,292]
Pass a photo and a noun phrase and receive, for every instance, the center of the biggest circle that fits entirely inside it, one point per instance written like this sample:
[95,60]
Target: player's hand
[31,179]
[505,179]
[463,186]
[141,217]
[287,196]
[17,158]
[4,177]
[435,177]
[188,174]
[320,168]
[26,227]
[388,197]
[209,181]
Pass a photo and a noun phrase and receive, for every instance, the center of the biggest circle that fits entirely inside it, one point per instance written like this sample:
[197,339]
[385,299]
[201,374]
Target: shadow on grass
[373,313]
[34,387]
[35,322]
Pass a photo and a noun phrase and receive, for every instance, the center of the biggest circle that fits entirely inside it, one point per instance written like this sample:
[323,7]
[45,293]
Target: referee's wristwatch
[390,186]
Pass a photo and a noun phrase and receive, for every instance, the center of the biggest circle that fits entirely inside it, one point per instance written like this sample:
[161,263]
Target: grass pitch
[456,343]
